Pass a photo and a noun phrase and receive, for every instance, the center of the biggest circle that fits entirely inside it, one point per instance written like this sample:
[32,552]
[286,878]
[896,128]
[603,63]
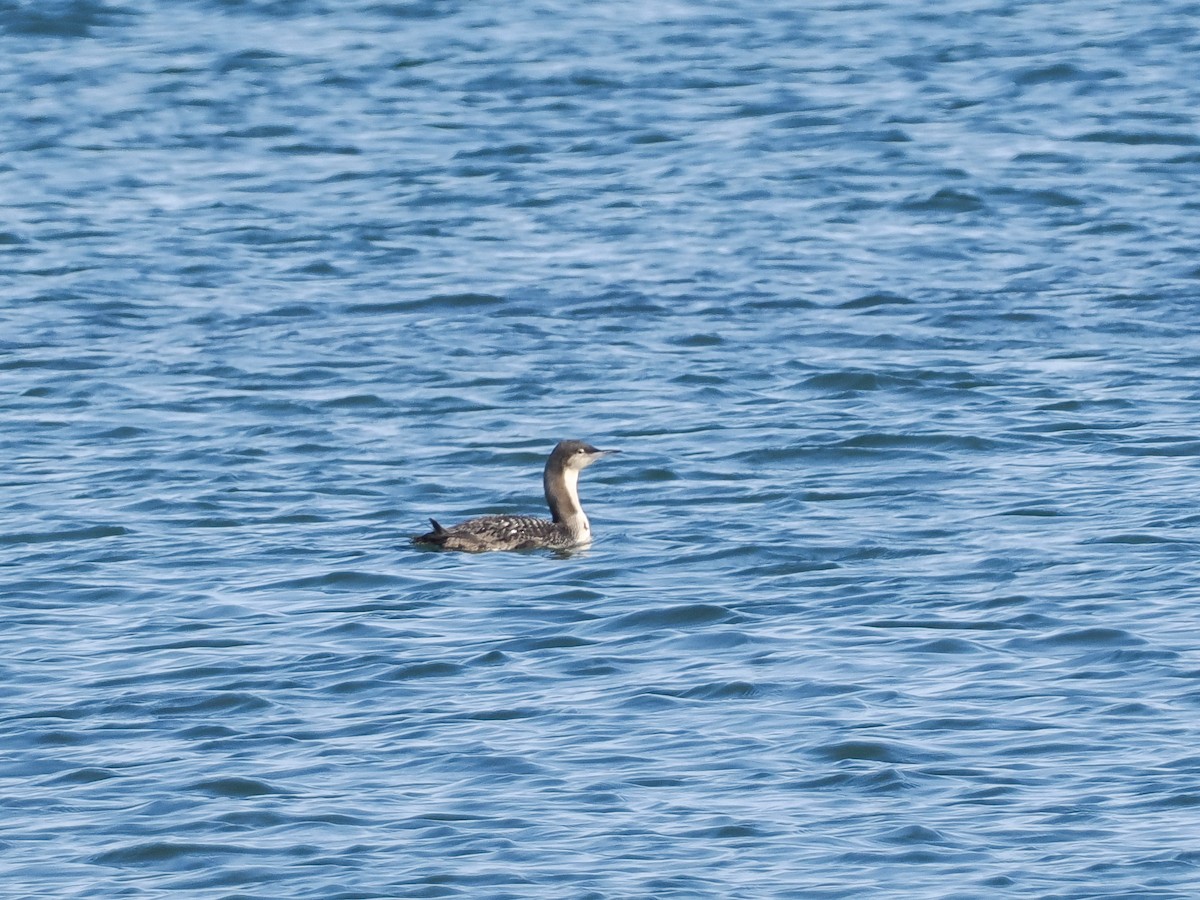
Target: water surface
[889,306]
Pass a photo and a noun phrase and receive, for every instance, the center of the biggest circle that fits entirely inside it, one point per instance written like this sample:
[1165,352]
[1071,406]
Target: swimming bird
[567,527]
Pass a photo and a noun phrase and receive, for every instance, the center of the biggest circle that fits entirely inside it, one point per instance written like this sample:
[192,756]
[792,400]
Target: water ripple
[890,310]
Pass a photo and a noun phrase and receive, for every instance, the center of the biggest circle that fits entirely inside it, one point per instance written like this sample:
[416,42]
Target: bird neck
[562,496]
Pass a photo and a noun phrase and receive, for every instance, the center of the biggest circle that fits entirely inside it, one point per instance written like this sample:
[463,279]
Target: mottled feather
[499,533]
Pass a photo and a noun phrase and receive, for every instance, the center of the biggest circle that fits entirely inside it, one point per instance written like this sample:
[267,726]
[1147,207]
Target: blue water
[890,306]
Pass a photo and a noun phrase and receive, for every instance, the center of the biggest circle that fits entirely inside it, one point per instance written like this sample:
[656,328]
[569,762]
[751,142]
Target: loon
[567,528]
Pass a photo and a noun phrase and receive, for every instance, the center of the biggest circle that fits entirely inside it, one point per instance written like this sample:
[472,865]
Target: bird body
[567,528]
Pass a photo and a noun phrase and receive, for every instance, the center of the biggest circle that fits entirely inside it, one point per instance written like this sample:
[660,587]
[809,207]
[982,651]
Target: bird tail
[437,536]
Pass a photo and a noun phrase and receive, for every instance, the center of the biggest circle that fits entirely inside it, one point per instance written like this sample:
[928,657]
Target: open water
[891,307]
